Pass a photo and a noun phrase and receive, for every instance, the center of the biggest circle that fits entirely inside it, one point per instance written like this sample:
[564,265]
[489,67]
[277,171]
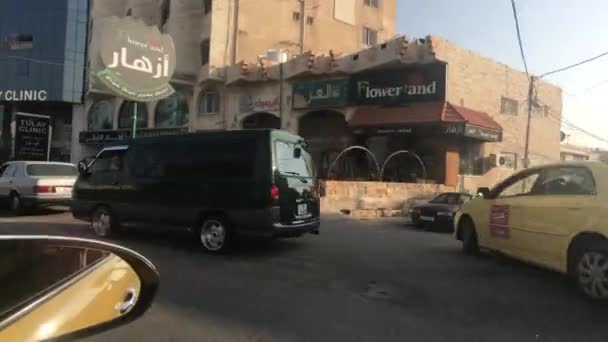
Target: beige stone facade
[235,30]
[219,95]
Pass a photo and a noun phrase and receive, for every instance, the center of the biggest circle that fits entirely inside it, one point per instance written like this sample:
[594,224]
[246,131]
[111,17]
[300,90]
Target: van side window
[3,169]
[288,164]
[109,161]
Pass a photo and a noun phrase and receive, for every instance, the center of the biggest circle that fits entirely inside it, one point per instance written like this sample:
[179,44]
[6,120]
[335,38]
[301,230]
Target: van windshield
[290,165]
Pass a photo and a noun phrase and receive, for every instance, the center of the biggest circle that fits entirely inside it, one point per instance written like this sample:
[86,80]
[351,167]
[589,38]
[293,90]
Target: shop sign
[396,87]
[32,137]
[105,137]
[23,95]
[482,133]
[138,60]
[249,104]
[454,129]
[320,93]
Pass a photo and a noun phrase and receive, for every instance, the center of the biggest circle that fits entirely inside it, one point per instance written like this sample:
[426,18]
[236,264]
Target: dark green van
[219,184]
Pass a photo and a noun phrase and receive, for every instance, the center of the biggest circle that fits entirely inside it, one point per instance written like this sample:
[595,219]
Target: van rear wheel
[103,222]
[214,234]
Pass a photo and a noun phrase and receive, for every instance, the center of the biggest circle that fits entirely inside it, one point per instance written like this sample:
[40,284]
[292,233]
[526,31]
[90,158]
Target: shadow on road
[36,212]
[241,248]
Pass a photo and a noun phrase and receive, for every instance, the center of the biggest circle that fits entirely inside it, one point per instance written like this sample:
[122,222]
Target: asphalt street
[357,281]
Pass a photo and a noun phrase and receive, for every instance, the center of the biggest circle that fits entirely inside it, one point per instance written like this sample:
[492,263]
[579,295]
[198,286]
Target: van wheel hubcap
[101,223]
[593,274]
[213,235]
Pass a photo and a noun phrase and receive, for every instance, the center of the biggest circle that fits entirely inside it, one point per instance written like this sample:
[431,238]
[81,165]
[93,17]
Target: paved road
[357,281]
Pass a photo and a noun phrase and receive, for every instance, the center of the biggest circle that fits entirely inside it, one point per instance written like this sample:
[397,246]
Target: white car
[33,184]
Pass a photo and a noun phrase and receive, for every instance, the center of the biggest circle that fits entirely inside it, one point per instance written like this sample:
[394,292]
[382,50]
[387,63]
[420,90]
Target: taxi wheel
[469,237]
[591,270]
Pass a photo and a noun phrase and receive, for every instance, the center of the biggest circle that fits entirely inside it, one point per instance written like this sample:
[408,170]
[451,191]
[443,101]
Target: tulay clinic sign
[138,60]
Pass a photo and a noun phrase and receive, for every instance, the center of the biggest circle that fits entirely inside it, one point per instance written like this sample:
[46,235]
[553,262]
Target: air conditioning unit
[278,56]
[503,160]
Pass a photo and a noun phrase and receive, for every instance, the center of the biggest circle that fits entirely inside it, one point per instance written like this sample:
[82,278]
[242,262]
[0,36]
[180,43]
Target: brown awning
[421,113]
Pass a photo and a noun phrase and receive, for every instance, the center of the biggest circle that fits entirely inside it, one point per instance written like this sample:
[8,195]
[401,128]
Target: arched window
[172,111]
[100,116]
[125,116]
[209,102]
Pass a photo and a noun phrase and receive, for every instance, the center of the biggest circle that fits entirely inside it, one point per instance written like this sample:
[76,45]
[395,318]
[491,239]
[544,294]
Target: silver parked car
[32,184]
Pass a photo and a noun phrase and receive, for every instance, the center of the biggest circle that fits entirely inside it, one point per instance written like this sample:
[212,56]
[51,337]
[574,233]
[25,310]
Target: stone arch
[261,120]
[327,134]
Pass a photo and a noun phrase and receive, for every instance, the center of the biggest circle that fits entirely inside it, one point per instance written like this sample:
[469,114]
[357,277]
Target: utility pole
[302,23]
[530,99]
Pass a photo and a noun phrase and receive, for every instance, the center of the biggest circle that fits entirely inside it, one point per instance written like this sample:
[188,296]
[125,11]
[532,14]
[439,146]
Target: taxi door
[564,202]
[507,214]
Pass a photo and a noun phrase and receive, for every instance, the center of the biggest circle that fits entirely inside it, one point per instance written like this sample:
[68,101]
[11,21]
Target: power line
[521,47]
[575,64]
[577,128]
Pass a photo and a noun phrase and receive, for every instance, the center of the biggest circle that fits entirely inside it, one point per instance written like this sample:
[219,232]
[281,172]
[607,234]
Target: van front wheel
[214,234]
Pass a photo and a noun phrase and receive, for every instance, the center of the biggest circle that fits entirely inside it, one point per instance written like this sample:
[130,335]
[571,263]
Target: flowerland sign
[138,60]
[425,82]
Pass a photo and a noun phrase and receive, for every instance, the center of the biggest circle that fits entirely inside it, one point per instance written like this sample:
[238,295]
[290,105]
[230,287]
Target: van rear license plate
[302,209]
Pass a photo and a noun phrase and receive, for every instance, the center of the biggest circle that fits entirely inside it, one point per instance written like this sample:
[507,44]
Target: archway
[172,111]
[327,134]
[261,120]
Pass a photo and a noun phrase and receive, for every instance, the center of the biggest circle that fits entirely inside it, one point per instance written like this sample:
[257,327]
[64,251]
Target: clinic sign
[138,60]
[422,83]
[23,95]
[32,137]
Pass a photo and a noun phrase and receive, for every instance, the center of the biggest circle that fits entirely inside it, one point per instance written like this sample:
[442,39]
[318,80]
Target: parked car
[34,184]
[218,184]
[439,212]
[555,216]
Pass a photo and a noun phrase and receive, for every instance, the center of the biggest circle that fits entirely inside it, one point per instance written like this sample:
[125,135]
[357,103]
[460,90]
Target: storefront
[258,107]
[402,114]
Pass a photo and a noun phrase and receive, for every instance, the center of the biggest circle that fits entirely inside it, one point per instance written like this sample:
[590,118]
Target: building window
[125,116]
[371,3]
[296,16]
[100,116]
[19,42]
[509,106]
[172,111]
[165,11]
[370,36]
[129,13]
[310,20]
[207,4]
[209,102]
[205,51]
[471,158]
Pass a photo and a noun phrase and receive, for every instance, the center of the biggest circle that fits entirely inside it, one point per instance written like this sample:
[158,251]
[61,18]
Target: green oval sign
[139,60]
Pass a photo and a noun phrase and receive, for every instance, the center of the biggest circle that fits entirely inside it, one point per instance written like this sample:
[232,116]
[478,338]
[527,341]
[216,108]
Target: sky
[555,33]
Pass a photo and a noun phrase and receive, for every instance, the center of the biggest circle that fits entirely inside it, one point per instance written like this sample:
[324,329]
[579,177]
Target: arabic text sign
[104,137]
[400,86]
[499,221]
[320,93]
[482,133]
[139,60]
[249,104]
[32,134]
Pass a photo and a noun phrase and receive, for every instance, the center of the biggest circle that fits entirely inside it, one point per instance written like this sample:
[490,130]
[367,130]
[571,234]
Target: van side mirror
[82,167]
[297,152]
[483,192]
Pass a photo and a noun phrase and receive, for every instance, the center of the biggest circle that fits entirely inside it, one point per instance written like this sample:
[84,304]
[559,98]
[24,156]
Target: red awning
[421,113]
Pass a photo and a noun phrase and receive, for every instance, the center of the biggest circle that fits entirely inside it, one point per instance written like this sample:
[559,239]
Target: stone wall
[339,195]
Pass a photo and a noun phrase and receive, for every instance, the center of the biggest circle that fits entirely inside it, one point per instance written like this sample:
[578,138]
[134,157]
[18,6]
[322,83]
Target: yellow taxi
[554,216]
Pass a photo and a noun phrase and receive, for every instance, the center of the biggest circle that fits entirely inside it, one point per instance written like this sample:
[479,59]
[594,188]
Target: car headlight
[445,213]
[414,210]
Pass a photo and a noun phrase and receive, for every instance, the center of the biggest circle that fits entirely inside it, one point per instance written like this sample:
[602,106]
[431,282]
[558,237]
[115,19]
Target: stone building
[468,128]
[459,114]
[210,36]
